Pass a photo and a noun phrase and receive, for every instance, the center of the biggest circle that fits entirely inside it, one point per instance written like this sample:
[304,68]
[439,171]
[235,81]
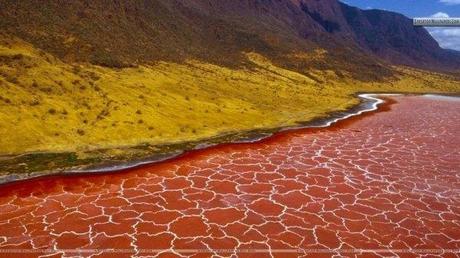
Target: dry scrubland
[51,106]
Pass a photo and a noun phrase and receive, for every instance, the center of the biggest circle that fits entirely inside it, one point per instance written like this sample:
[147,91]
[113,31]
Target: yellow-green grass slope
[47,105]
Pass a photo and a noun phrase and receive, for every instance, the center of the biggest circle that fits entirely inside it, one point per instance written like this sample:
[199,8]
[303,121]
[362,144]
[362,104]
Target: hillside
[95,79]
[111,33]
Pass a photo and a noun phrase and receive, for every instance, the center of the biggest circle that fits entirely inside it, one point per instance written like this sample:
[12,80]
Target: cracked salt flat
[390,180]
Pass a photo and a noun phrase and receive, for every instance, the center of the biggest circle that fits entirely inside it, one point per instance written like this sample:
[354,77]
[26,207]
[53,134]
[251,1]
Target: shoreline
[369,102]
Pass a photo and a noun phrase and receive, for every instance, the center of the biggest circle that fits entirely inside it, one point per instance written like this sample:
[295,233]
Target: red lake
[383,183]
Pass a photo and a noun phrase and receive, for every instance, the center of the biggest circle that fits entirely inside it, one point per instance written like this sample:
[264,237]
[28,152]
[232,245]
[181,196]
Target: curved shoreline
[374,103]
[369,102]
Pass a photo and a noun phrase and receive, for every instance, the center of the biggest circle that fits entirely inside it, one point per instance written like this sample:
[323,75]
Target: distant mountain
[393,37]
[122,33]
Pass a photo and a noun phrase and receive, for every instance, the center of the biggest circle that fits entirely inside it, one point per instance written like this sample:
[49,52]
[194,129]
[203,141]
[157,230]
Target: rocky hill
[125,33]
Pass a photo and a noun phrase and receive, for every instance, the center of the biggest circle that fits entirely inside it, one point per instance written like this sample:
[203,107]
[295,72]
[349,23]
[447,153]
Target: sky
[447,37]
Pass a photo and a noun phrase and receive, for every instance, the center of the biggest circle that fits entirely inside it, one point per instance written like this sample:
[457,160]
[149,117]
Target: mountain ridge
[125,33]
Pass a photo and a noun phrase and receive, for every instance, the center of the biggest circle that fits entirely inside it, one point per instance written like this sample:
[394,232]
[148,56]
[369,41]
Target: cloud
[447,37]
[440,15]
[450,2]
